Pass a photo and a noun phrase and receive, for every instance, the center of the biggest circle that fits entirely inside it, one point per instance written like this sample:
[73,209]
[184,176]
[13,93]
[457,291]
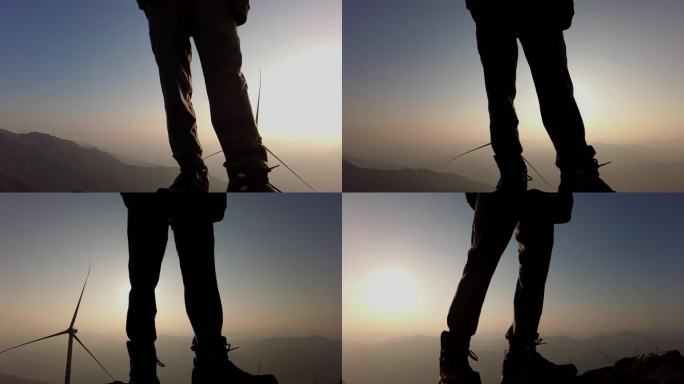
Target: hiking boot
[144,363]
[513,174]
[453,361]
[524,365]
[584,179]
[212,366]
[250,181]
[190,180]
[582,175]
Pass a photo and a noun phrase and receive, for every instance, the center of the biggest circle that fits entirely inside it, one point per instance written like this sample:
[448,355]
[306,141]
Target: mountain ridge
[293,359]
[39,162]
[358,179]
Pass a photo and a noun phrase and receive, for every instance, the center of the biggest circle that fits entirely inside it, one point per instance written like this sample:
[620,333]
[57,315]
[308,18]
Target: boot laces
[247,180]
[473,356]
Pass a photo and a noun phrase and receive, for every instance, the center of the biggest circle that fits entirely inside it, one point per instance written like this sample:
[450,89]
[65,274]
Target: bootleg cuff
[576,160]
[247,161]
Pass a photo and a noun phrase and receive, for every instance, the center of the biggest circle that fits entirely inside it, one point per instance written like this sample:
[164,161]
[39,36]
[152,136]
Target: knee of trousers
[480,264]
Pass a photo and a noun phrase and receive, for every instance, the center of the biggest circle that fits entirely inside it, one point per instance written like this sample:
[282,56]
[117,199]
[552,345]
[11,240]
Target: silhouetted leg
[493,227]
[546,53]
[194,235]
[535,245]
[218,46]
[170,26]
[147,237]
[498,49]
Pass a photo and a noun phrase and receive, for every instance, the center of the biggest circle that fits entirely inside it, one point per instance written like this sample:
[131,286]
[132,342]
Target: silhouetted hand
[566,12]
[240,11]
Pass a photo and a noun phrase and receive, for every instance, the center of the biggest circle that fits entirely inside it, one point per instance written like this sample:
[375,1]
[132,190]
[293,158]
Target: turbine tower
[71,331]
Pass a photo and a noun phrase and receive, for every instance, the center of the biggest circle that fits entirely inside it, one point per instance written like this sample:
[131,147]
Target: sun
[392,290]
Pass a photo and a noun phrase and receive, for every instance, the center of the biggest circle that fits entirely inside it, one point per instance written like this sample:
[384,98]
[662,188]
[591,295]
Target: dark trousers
[544,47]
[211,24]
[148,227]
[493,225]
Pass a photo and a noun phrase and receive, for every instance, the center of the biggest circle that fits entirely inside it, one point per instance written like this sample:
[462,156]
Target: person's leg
[498,48]
[147,237]
[522,362]
[170,26]
[218,45]
[493,227]
[535,245]
[546,54]
[194,237]
[193,228]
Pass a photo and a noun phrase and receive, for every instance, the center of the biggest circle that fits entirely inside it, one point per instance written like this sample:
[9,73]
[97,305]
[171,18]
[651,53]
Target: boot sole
[516,380]
[471,378]
[199,378]
[529,380]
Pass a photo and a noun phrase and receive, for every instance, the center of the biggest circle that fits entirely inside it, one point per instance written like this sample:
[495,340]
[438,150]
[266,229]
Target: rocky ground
[653,368]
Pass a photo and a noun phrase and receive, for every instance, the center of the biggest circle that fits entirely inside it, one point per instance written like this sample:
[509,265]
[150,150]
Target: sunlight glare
[302,96]
[124,288]
[392,290]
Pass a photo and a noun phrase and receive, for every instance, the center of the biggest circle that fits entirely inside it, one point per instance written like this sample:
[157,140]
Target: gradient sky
[617,265]
[84,71]
[278,263]
[414,90]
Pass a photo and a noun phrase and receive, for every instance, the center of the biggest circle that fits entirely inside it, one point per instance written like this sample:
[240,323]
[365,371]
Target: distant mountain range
[414,360]
[357,179]
[651,167]
[7,379]
[294,360]
[38,162]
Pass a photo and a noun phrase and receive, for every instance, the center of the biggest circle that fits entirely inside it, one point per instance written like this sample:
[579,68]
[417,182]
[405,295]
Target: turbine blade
[258,110]
[258,100]
[268,149]
[537,172]
[73,320]
[468,152]
[94,358]
[290,169]
[36,340]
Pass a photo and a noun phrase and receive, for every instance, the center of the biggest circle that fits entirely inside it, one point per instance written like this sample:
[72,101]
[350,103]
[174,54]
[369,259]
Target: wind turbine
[71,331]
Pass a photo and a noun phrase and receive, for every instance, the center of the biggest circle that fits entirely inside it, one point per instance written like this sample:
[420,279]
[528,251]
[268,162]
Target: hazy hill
[357,179]
[651,167]
[11,184]
[7,379]
[294,360]
[414,360]
[38,162]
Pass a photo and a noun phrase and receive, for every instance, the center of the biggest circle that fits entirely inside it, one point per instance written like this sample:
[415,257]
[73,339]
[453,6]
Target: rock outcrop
[653,368]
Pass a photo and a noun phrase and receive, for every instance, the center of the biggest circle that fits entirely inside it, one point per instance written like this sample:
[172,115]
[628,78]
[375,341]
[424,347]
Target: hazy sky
[617,266]
[84,71]
[277,257]
[414,89]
